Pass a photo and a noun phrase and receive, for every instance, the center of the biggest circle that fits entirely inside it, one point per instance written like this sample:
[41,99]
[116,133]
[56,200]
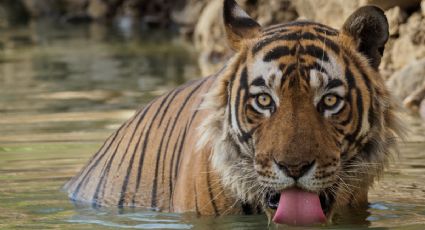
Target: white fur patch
[333,68]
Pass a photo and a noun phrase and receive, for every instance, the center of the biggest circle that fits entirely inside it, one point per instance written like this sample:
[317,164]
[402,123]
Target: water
[64,89]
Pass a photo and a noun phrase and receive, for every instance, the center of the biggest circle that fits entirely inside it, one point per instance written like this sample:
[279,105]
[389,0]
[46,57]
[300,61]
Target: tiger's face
[296,110]
[303,114]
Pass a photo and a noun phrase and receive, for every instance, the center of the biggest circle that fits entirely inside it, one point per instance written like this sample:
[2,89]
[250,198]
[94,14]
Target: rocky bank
[200,21]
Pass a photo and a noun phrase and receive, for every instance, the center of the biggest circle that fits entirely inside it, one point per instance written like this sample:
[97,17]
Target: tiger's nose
[295,170]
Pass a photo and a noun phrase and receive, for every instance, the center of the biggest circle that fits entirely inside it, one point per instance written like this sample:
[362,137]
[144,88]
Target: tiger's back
[152,158]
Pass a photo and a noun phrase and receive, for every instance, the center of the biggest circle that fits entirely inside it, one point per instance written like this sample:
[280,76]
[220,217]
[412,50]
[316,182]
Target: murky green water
[64,89]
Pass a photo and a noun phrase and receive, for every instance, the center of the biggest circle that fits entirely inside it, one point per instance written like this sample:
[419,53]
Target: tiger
[297,125]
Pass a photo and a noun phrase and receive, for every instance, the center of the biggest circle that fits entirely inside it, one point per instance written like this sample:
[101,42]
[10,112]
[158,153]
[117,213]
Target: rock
[328,12]
[153,13]
[423,7]
[188,15]
[387,4]
[39,8]
[268,12]
[411,44]
[209,38]
[422,109]
[334,12]
[97,9]
[408,84]
[75,6]
[209,33]
[396,16]
[12,12]
[387,67]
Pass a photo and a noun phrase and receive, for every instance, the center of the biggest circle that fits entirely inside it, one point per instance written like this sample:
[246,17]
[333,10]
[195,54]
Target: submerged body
[152,160]
[299,114]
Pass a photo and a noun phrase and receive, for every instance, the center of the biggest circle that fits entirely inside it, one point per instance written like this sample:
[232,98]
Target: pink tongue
[298,207]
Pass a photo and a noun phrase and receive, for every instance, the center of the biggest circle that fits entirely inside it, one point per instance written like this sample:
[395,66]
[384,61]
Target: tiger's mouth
[295,206]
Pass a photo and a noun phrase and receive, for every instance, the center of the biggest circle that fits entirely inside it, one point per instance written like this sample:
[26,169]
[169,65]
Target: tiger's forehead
[305,47]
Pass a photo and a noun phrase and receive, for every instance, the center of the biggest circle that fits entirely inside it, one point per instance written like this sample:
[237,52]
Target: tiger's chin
[295,206]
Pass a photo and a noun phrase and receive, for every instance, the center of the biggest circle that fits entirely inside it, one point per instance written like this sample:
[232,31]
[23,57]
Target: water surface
[64,89]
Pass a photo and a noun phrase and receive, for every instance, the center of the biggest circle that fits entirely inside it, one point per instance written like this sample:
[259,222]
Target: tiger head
[301,114]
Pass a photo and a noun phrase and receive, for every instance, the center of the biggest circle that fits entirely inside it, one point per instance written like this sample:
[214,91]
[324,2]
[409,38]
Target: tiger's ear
[368,26]
[239,25]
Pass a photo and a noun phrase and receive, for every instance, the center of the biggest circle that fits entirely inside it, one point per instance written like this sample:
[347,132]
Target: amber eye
[264,100]
[330,101]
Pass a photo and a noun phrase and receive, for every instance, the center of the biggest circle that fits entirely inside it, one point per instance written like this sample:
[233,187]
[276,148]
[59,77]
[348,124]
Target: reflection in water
[64,89]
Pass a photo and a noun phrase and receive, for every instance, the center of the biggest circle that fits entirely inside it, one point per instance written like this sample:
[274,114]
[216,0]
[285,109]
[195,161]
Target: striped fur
[208,148]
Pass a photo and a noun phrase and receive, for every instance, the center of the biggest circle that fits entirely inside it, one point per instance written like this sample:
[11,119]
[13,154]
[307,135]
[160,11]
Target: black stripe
[372,118]
[210,191]
[142,156]
[284,37]
[158,156]
[196,200]
[242,86]
[105,170]
[351,83]
[353,136]
[96,162]
[93,159]
[168,105]
[334,83]
[166,148]
[326,31]
[350,115]
[366,80]
[188,97]
[258,82]
[287,72]
[179,153]
[340,131]
[143,114]
[277,53]
[297,35]
[129,169]
[172,158]
[104,175]
[171,166]
[316,52]
[317,37]
[275,31]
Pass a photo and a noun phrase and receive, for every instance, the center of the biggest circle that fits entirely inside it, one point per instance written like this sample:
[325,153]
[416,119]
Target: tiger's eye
[264,100]
[330,100]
